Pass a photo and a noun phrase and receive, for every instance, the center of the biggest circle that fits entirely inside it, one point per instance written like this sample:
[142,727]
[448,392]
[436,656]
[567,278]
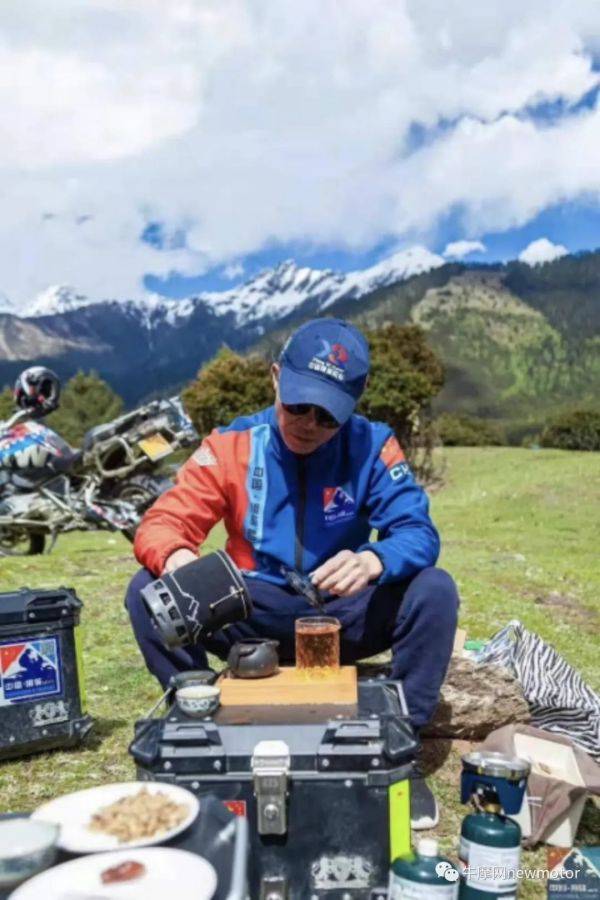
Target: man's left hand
[347,572]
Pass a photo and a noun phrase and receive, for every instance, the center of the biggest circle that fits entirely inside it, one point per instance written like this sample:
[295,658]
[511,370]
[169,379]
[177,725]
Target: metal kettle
[254,658]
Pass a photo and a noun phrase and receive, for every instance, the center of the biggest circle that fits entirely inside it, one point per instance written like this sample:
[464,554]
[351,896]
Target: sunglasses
[322,417]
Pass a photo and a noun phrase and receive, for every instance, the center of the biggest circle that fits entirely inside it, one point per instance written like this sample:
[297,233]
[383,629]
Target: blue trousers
[416,618]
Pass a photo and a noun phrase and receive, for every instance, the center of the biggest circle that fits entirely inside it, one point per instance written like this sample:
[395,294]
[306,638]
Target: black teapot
[254,658]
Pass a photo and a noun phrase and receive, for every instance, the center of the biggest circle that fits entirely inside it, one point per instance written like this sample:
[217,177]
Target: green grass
[519,534]
[519,531]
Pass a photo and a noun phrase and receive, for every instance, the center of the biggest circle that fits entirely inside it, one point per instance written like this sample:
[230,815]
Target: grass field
[520,535]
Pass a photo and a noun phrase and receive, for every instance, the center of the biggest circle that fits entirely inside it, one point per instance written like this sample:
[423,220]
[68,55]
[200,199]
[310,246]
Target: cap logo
[337,354]
[330,360]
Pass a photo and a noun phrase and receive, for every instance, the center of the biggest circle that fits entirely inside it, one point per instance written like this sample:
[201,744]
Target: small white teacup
[198,699]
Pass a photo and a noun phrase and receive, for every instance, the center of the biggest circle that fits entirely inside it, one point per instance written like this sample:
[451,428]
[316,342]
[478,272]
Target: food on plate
[125,871]
[80,896]
[139,816]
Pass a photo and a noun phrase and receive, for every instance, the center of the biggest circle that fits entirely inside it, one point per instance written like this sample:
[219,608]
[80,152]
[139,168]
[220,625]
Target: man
[301,485]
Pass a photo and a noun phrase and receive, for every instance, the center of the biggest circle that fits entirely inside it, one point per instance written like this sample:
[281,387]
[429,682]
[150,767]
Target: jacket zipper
[299,544]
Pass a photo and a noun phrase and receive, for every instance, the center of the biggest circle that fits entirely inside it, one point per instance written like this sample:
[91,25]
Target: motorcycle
[48,488]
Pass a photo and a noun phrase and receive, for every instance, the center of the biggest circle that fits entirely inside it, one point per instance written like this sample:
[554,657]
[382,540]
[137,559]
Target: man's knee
[133,595]
[434,590]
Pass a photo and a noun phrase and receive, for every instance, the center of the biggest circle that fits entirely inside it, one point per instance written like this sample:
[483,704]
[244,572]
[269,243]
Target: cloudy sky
[174,146]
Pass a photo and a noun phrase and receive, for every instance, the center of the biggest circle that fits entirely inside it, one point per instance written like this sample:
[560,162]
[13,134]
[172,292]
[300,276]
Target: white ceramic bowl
[198,699]
[26,847]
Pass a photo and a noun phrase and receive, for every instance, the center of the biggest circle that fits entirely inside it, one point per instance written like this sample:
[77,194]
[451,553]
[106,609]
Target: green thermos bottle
[423,876]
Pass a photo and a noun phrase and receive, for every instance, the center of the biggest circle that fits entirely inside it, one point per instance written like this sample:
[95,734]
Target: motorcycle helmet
[37,390]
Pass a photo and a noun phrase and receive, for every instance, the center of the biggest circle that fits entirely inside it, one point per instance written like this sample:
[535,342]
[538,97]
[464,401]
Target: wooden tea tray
[292,687]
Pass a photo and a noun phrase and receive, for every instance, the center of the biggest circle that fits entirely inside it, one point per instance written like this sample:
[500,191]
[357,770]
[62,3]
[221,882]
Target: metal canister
[490,842]
[197,599]
[425,875]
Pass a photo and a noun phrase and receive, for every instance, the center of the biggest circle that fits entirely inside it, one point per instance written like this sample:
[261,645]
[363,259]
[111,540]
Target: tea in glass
[318,642]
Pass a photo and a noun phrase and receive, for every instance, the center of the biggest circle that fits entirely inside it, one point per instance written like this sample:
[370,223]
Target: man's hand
[347,573]
[178,558]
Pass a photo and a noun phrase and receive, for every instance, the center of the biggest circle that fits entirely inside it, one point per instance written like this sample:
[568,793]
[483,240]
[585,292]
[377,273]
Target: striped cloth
[559,699]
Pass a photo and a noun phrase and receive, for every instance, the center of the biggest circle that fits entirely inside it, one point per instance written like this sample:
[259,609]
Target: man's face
[301,434]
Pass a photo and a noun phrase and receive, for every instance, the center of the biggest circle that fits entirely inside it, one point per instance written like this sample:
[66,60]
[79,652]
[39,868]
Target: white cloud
[460,249]
[247,121]
[515,169]
[233,270]
[542,251]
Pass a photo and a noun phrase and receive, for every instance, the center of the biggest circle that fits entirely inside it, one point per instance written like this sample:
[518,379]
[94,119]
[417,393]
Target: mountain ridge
[513,337]
[272,292]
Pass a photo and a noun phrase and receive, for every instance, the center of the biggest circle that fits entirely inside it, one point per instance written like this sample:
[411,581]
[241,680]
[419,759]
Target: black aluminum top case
[313,781]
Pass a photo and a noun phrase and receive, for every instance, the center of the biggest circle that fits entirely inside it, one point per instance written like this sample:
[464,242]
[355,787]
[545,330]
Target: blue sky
[186,146]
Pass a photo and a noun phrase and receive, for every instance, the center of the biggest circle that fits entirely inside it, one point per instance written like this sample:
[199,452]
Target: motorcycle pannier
[325,789]
[42,695]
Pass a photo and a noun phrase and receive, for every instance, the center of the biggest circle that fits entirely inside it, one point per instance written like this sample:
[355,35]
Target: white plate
[169,873]
[73,813]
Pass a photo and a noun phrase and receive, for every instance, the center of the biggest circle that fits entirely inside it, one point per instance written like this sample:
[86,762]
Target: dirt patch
[569,606]
[440,755]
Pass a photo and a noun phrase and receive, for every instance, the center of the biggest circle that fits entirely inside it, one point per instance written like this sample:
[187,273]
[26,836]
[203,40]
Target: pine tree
[405,376]
[228,386]
[86,401]
[7,404]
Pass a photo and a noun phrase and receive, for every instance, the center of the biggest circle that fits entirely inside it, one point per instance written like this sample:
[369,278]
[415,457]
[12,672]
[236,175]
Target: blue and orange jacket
[282,509]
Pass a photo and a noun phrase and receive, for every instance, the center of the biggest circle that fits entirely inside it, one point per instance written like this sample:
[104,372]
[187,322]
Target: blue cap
[325,362]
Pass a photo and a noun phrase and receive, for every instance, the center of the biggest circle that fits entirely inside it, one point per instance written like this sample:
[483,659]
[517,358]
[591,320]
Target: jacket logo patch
[394,460]
[399,471]
[204,456]
[391,453]
[338,505]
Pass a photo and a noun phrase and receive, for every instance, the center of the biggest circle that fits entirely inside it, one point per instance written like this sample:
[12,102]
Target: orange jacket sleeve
[184,515]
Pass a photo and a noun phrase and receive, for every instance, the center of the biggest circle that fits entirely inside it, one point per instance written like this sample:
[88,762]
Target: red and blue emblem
[336,354]
[338,505]
[29,669]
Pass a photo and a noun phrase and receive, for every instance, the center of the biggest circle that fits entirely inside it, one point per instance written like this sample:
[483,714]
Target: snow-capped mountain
[55,299]
[143,345]
[272,294]
[5,304]
[278,292]
[151,345]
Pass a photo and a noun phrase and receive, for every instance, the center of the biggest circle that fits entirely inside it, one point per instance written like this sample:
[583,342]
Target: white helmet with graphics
[37,390]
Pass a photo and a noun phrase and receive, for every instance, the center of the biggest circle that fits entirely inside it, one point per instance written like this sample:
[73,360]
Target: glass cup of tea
[318,642]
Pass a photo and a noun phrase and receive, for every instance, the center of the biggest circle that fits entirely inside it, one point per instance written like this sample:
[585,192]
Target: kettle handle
[233,657]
